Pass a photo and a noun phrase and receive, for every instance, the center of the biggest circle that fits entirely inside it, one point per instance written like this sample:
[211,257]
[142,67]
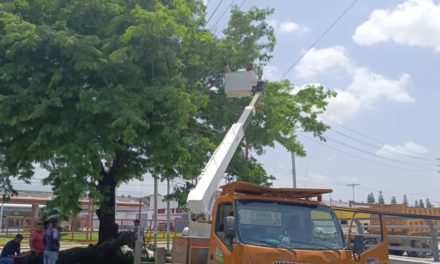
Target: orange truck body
[213,250]
[412,226]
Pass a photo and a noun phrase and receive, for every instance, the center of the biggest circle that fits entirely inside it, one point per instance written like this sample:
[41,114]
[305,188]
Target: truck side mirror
[359,246]
[230,227]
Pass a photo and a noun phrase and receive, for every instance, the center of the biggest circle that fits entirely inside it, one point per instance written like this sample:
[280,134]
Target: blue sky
[382,58]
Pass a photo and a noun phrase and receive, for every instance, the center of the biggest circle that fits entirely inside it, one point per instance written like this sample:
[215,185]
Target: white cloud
[413,23]
[271,73]
[409,148]
[342,107]
[314,180]
[317,61]
[366,87]
[288,26]
[369,86]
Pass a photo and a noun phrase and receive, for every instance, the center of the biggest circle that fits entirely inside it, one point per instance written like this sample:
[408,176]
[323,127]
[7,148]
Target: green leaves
[101,92]
[249,38]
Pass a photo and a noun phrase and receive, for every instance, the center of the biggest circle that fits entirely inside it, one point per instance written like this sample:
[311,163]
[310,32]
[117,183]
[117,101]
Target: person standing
[138,230]
[36,242]
[51,242]
[11,251]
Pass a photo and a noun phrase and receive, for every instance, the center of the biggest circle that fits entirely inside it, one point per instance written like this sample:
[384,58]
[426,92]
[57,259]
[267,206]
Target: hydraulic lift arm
[202,197]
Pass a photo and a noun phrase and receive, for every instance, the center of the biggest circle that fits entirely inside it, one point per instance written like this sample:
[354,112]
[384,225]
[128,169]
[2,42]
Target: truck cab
[257,224]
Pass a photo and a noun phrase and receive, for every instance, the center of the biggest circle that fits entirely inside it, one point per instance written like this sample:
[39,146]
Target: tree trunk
[108,229]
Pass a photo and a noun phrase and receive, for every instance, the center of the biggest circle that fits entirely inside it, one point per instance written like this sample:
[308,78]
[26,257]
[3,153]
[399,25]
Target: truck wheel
[395,252]
[416,254]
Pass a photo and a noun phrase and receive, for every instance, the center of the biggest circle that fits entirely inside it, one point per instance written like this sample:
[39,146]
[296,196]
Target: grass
[81,238]
[66,238]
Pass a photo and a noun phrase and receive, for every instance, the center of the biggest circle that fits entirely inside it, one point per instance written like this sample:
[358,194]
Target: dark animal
[107,252]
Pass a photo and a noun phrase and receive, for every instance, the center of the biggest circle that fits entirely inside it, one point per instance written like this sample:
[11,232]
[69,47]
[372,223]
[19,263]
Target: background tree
[428,203]
[416,203]
[421,204]
[405,200]
[102,92]
[381,200]
[370,198]
[393,200]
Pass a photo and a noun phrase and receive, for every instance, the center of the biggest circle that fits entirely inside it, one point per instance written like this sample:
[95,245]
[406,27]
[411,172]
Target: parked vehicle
[248,223]
[416,227]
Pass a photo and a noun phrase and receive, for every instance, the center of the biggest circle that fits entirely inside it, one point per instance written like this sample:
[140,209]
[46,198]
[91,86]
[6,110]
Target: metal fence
[85,229]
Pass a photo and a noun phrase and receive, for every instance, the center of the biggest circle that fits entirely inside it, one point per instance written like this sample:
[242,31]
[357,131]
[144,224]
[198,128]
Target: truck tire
[395,252]
[416,254]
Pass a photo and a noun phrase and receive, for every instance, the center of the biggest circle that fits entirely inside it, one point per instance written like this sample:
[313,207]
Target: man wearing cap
[51,242]
[36,242]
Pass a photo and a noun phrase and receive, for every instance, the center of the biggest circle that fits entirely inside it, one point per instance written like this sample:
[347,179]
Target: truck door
[370,239]
[220,248]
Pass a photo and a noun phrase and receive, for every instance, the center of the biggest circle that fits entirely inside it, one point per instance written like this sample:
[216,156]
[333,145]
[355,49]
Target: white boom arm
[200,199]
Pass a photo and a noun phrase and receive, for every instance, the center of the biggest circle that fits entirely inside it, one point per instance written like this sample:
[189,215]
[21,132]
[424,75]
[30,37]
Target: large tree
[101,92]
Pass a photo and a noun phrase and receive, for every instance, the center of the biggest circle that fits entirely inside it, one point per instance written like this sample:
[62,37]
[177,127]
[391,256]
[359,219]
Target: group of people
[44,245]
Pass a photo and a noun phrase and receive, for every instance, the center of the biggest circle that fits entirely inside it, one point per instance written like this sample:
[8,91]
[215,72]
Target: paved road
[409,260]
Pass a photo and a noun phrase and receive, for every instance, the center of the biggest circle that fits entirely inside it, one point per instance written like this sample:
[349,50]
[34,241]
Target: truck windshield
[288,225]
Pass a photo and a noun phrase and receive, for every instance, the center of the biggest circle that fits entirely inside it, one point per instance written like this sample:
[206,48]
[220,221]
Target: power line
[359,157]
[239,8]
[375,139]
[242,4]
[391,151]
[380,157]
[215,10]
[222,15]
[320,37]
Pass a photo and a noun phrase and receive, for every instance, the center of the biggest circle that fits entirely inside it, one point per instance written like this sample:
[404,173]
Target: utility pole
[293,169]
[155,214]
[352,185]
[1,212]
[168,216]
[1,209]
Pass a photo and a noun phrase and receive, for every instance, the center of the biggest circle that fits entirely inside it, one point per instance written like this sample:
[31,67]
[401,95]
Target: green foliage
[428,203]
[102,92]
[405,200]
[381,200]
[393,200]
[180,193]
[370,198]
